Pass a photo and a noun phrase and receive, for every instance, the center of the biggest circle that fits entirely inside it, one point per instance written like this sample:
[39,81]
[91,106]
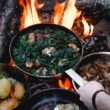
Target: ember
[65,83]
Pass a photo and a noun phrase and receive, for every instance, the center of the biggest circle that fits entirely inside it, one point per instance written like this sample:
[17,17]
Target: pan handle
[38,87]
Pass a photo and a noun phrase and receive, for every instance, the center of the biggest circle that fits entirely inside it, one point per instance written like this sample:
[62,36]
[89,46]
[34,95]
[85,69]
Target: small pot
[16,74]
[42,26]
[48,99]
[105,56]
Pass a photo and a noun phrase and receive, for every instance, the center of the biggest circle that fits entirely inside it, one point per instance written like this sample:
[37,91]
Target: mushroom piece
[29,64]
[37,64]
[92,71]
[53,72]
[72,46]
[5,87]
[40,37]
[48,51]
[44,71]
[31,38]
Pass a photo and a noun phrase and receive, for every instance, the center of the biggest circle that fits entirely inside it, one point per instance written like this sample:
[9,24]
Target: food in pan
[71,106]
[46,52]
[11,92]
[97,70]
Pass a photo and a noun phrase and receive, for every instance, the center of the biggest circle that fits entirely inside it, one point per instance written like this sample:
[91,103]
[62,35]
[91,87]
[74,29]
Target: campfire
[88,20]
[65,14]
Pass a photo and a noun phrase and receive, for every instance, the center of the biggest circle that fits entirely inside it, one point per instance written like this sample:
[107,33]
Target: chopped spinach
[60,57]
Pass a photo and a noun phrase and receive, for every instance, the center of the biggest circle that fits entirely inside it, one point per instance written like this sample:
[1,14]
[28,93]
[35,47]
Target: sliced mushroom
[92,70]
[53,72]
[72,46]
[31,38]
[37,64]
[29,64]
[48,51]
[44,71]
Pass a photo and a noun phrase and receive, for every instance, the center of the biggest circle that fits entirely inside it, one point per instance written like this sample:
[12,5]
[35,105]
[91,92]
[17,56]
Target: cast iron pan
[48,99]
[13,72]
[42,26]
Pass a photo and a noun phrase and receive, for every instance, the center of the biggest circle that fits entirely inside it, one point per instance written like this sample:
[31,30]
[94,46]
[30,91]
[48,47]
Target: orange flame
[30,15]
[92,28]
[39,5]
[88,29]
[58,12]
[66,84]
[64,14]
[70,14]
[12,63]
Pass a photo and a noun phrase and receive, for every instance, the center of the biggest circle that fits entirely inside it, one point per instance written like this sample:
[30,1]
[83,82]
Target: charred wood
[9,26]
[94,9]
[102,28]
[95,44]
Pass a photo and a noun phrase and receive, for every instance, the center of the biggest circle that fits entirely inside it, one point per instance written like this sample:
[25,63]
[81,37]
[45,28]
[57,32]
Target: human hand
[86,92]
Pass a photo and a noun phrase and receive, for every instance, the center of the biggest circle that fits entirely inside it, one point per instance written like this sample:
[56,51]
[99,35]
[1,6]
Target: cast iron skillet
[13,72]
[42,26]
[48,99]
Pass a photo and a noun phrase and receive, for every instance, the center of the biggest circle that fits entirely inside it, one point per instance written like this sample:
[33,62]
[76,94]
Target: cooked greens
[46,52]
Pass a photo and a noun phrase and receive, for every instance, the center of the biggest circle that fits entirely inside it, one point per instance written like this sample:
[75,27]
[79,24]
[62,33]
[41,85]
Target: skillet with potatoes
[12,87]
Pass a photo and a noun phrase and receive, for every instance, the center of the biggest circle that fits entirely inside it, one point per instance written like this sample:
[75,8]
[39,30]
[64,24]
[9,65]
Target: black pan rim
[75,98]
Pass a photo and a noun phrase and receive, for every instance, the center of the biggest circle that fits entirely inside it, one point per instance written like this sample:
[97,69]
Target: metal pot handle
[38,87]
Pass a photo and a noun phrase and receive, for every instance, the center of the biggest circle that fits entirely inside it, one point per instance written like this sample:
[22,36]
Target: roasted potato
[5,87]
[8,104]
[18,91]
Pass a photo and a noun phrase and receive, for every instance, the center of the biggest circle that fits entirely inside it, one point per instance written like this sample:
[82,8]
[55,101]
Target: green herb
[59,58]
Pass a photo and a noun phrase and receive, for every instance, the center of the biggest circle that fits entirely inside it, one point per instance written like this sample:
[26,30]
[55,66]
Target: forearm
[103,101]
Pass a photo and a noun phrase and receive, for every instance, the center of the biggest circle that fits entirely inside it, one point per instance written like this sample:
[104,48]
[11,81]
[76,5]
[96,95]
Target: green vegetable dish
[46,51]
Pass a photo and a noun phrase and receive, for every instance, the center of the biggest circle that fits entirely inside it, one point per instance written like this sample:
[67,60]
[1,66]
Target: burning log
[48,5]
[94,9]
[9,25]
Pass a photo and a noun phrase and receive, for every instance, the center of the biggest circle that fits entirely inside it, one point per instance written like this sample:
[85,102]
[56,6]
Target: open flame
[29,15]
[70,14]
[12,63]
[65,84]
[58,12]
[64,14]
[88,29]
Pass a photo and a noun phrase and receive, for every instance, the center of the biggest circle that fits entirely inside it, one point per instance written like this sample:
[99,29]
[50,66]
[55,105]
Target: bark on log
[9,25]
[94,9]
[94,44]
